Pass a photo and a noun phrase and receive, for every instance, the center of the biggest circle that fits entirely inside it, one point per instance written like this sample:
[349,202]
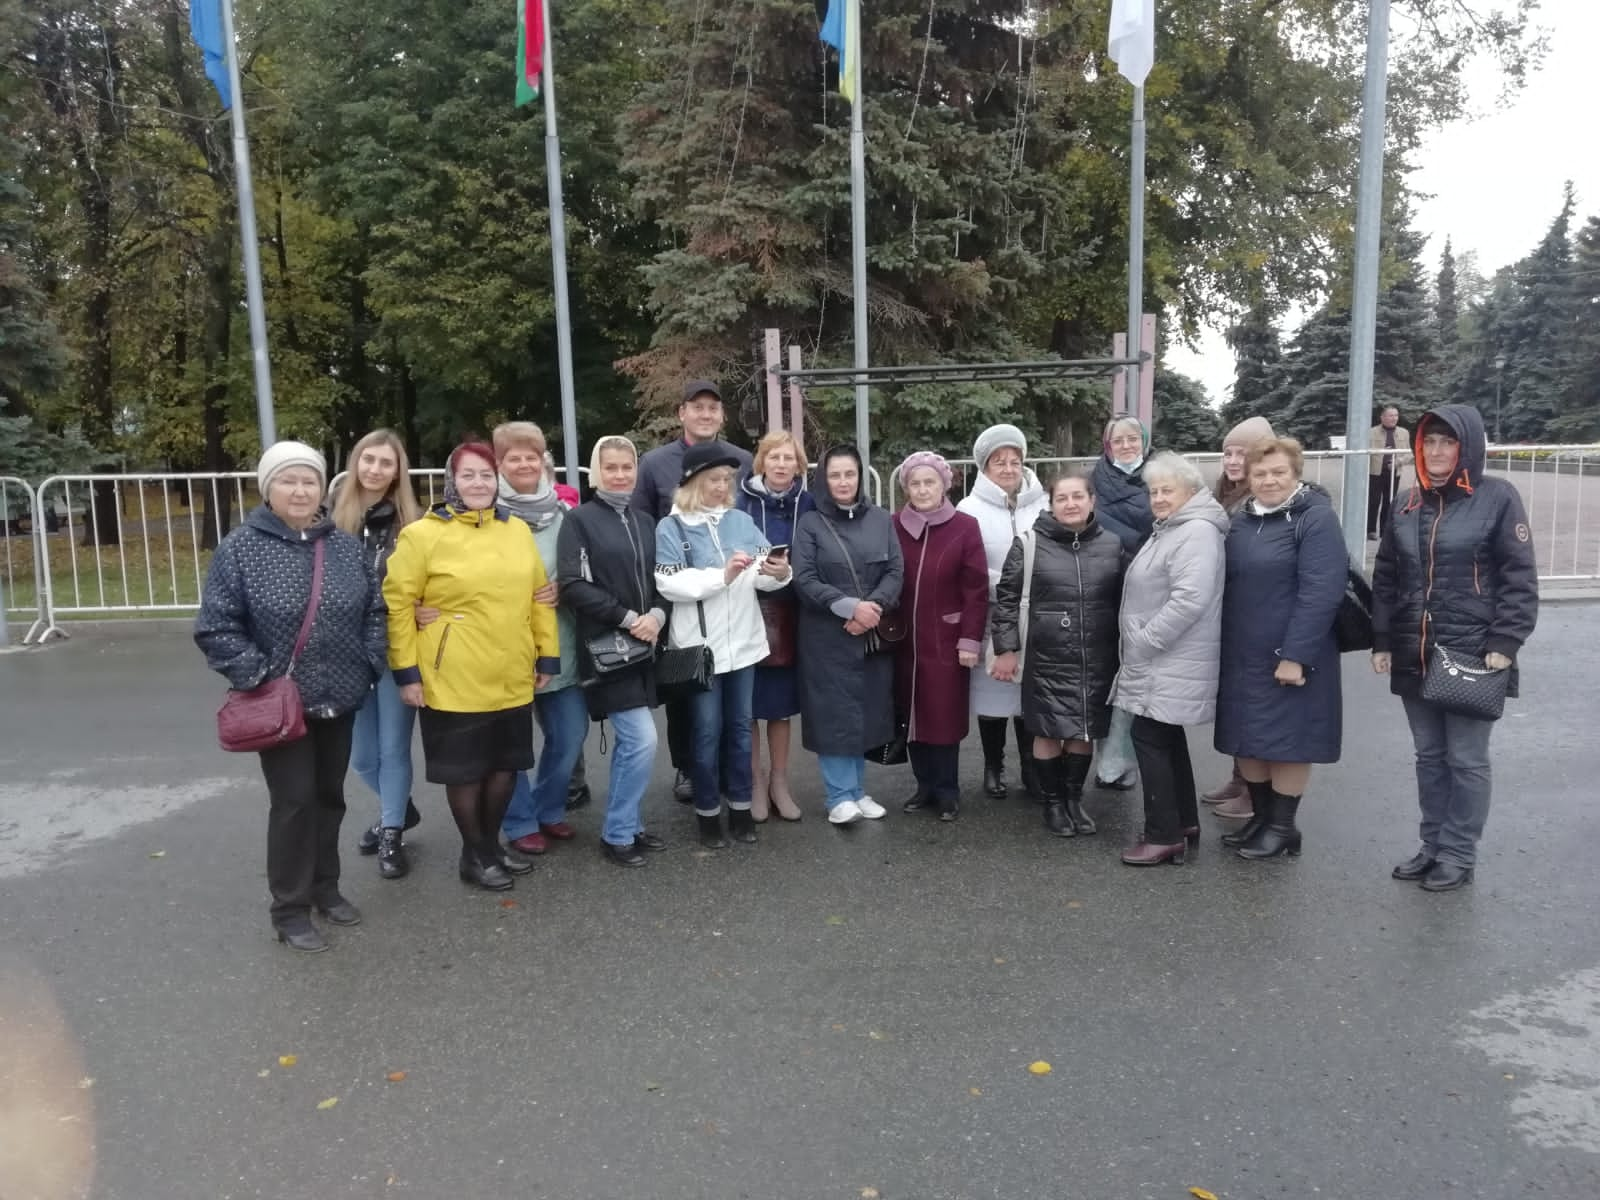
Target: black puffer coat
[1456,564]
[606,566]
[255,600]
[1072,636]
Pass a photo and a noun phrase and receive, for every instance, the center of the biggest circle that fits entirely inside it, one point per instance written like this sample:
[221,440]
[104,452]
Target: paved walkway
[827,1014]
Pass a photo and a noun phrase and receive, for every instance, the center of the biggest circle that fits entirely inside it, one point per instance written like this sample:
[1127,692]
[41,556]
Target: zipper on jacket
[438,658]
[1083,647]
[911,633]
[1427,595]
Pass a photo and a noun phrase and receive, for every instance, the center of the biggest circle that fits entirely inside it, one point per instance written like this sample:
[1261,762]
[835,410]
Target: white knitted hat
[288,454]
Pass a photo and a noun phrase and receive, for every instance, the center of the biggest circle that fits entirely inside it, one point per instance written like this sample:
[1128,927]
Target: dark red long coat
[945,601]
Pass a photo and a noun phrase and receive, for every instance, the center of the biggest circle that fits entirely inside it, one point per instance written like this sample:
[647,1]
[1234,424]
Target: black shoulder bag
[684,671]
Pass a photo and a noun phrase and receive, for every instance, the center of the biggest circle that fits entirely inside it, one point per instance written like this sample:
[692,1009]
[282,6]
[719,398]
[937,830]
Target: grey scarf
[538,509]
[617,500]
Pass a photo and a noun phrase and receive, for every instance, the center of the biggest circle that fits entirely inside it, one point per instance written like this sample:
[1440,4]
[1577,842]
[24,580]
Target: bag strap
[700,605]
[318,554]
[848,561]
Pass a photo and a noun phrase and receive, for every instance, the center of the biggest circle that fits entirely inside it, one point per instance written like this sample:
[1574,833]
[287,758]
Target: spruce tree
[1257,354]
[1580,403]
[1446,307]
[1539,329]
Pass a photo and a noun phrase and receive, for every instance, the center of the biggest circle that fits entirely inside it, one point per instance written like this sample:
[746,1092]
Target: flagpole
[558,251]
[247,237]
[1364,285]
[858,242]
[1130,392]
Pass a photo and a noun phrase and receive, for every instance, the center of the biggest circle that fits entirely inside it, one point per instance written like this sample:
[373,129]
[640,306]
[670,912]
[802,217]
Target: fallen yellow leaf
[999,962]
[834,921]
[1039,1068]
[1200,1193]
[288,1060]
[975,1091]
[158,854]
[869,1193]
[328,1103]
[396,1076]
[1074,903]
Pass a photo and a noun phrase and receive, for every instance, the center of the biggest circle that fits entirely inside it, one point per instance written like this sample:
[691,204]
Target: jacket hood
[990,492]
[264,520]
[756,487]
[1466,424]
[823,498]
[1202,506]
[1307,495]
[1047,526]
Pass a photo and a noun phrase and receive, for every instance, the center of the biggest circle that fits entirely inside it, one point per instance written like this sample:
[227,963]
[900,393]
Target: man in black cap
[660,472]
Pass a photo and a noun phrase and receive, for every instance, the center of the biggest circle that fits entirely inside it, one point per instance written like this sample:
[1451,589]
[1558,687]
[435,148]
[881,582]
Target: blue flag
[205,26]
[841,29]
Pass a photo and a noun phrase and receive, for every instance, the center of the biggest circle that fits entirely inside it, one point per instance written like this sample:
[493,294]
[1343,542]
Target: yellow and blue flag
[841,29]
[205,26]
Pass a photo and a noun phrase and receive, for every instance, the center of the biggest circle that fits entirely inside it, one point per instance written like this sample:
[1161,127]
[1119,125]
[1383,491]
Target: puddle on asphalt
[47,818]
[1550,1039]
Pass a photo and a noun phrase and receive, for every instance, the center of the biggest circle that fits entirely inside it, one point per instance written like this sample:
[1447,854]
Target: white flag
[1133,38]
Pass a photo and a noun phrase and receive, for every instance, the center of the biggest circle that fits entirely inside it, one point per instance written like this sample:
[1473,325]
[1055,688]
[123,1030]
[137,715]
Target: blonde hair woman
[711,560]
[774,497]
[375,502]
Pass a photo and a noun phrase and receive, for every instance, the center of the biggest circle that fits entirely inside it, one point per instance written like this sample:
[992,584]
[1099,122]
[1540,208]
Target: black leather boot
[372,836]
[1279,836]
[711,831]
[994,779]
[742,825]
[1048,772]
[1075,772]
[486,874]
[1260,809]
[1030,777]
[578,793]
[392,860]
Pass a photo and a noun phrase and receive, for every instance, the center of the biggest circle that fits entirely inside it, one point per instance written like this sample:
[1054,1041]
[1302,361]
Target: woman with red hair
[473,672]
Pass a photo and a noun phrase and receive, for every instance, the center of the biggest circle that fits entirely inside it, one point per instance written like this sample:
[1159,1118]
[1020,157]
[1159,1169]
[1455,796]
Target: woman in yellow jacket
[474,670]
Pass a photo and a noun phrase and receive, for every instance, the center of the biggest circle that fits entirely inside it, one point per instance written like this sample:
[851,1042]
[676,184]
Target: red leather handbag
[782,619]
[272,714]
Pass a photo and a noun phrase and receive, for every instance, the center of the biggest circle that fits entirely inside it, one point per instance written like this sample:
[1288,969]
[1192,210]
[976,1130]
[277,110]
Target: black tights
[992,733]
[479,810]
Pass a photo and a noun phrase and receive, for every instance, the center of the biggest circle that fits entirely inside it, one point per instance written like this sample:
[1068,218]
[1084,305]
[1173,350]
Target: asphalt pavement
[826,1014]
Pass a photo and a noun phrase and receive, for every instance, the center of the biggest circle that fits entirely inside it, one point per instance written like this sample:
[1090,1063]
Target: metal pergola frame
[1049,368]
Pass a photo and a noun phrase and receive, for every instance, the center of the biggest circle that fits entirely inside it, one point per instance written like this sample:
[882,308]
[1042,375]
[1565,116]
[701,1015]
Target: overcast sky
[1493,183]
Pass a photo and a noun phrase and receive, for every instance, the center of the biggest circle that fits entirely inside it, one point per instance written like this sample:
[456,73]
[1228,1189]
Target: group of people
[1099,618]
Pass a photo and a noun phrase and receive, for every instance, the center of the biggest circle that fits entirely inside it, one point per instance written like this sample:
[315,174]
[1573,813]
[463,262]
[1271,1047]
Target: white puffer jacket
[1171,620]
[692,553]
[1000,524]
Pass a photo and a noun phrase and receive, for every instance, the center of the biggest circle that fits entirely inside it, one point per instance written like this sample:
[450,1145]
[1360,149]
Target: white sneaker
[870,808]
[846,812]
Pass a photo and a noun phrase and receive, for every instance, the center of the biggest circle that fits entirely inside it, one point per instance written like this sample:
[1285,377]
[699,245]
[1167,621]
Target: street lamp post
[1499,374]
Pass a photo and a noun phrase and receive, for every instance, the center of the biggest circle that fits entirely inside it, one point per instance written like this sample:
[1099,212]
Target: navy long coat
[1286,578]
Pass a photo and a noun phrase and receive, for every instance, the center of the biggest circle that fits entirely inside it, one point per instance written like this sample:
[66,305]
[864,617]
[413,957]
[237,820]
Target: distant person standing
[1383,470]
[702,415]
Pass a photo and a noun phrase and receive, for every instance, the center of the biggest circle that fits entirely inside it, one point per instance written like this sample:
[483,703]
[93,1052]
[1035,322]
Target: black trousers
[1380,500]
[1170,803]
[937,769]
[305,783]
[680,733]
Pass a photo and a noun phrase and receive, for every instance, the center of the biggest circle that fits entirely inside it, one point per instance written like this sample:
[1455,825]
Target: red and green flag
[530,49]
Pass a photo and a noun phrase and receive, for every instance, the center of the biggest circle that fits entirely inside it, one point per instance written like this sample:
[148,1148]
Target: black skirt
[465,747]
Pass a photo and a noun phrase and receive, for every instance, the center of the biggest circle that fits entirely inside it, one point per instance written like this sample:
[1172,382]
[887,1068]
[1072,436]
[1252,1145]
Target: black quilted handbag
[685,671]
[1461,684]
[1352,627]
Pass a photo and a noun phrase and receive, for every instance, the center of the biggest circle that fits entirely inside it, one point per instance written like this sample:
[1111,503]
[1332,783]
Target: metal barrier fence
[1563,510]
[19,560]
[139,545]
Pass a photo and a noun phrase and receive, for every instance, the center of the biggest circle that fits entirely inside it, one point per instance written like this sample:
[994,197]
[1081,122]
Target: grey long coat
[1171,621]
[846,695]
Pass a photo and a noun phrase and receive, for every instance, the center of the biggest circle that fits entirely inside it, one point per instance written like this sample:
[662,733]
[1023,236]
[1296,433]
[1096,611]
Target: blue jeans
[564,721]
[722,741]
[381,749]
[844,776]
[632,759]
[1452,780]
